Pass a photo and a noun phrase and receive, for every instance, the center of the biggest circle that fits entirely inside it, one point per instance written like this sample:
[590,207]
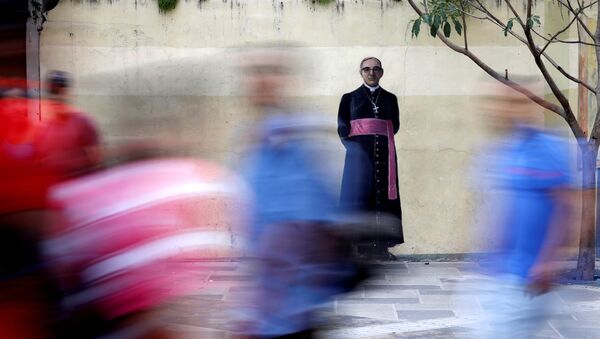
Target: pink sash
[371,126]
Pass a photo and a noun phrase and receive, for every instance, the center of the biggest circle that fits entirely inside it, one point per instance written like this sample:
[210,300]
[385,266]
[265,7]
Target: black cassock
[365,179]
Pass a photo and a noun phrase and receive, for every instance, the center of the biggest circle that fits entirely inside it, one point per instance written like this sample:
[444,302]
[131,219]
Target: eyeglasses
[375,69]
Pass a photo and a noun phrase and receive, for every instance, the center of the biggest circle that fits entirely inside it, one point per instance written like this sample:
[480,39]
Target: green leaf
[433,30]
[435,26]
[533,20]
[508,27]
[447,29]
[166,5]
[457,27]
[426,18]
[416,28]
[437,20]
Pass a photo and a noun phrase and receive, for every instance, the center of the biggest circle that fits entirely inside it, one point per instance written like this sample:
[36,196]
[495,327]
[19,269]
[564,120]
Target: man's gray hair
[369,58]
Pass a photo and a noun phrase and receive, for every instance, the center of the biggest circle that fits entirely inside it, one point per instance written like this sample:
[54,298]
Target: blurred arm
[557,237]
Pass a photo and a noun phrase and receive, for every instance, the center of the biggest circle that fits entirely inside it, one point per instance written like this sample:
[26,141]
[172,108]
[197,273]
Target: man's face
[371,72]
[505,108]
[266,77]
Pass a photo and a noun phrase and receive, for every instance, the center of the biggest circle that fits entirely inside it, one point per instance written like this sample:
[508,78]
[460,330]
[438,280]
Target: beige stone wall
[140,73]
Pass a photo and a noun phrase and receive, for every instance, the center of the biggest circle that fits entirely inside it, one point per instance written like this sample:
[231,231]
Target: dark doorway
[13,34]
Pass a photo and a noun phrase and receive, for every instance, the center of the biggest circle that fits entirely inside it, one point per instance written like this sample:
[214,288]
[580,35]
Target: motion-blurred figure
[121,238]
[35,154]
[25,301]
[303,259]
[527,175]
[69,140]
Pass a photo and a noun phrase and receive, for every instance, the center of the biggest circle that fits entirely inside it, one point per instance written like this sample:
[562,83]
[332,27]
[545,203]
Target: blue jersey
[523,173]
[286,181]
[294,212]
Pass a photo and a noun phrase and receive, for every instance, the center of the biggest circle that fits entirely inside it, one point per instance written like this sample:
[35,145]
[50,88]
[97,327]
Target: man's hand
[541,279]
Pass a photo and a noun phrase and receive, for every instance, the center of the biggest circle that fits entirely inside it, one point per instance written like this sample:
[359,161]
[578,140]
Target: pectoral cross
[375,109]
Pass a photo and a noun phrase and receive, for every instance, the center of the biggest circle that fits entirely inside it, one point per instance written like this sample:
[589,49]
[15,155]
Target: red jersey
[124,233]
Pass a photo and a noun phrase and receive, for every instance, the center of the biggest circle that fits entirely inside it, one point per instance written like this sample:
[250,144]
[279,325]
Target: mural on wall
[143,73]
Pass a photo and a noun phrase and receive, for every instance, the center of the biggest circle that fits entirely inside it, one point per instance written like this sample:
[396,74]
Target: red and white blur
[95,239]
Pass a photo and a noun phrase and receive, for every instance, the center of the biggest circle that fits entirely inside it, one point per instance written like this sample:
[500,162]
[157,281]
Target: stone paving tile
[346,321]
[375,311]
[586,316]
[461,283]
[235,297]
[460,265]
[452,286]
[570,322]
[193,332]
[414,315]
[564,317]
[429,270]
[459,312]
[358,293]
[473,279]
[447,272]
[393,263]
[442,333]
[383,287]
[474,307]
[396,293]
[580,332]
[449,292]
[468,312]
[206,314]
[412,290]
[211,290]
[403,276]
[200,297]
[389,266]
[574,295]
[393,279]
[547,330]
[444,299]
[547,334]
[570,328]
[222,267]
[230,277]
[378,301]
[242,288]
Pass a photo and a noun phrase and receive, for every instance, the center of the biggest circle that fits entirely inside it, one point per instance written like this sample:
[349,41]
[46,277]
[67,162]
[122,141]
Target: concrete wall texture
[140,72]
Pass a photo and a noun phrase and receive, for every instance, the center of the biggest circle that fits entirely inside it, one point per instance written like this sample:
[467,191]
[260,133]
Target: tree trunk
[587,239]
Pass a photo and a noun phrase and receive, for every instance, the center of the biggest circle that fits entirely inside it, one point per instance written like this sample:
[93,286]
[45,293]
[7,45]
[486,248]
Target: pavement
[406,300]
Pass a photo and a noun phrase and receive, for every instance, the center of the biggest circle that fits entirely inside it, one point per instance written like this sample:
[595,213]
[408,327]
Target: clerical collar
[372,89]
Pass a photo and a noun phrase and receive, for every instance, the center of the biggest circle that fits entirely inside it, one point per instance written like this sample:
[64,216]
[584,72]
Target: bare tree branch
[495,20]
[569,76]
[556,40]
[464,22]
[591,4]
[529,5]
[464,12]
[572,10]
[561,111]
[558,33]
[562,99]
[512,9]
